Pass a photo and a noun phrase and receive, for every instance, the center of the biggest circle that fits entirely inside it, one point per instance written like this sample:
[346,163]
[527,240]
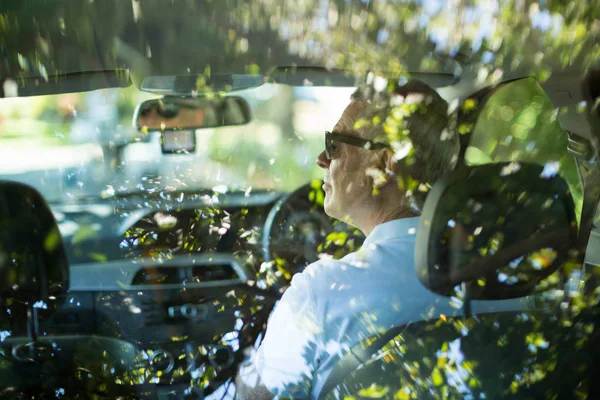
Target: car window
[519,123]
[137,271]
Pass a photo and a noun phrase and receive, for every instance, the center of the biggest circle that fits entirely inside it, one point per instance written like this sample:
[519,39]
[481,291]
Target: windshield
[330,199]
[75,147]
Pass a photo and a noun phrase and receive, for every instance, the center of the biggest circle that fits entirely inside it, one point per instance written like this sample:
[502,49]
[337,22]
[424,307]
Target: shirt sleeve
[288,356]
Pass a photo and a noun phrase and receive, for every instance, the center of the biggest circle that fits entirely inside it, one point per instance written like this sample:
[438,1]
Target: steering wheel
[297,231]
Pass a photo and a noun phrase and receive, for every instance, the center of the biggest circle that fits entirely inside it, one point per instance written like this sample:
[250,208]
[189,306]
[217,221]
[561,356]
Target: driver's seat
[37,360]
[490,232]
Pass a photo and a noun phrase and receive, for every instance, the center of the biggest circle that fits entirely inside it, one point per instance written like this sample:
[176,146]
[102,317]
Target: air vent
[154,313]
[212,273]
[159,276]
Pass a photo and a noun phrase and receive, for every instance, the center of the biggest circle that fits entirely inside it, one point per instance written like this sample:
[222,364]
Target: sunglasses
[351,140]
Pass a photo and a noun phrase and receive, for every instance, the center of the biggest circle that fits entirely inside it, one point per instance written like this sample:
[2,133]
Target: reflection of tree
[519,123]
[236,316]
[226,36]
[386,36]
[254,37]
[521,355]
[174,37]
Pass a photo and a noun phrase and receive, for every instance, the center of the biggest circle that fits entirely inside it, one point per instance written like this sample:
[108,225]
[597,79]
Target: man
[389,146]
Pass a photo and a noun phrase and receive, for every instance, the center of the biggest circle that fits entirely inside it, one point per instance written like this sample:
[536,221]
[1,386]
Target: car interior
[152,279]
[453,208]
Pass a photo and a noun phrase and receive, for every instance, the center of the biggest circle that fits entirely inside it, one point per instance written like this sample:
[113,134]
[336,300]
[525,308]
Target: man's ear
[388,169]
[390,164]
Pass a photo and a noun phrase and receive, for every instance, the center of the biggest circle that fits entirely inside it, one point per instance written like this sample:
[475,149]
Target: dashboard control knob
[162,361]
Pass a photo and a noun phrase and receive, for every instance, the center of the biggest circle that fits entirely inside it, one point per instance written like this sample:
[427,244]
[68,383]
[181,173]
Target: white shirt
[334,304]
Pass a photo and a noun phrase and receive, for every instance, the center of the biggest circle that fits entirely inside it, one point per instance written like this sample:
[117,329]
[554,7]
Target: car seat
[37,360]
[490,232]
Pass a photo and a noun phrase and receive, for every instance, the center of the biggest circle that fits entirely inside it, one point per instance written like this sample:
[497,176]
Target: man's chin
[327,207]
[334,212]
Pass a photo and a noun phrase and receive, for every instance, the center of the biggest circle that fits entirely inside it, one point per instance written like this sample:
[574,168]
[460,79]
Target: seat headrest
[502,228]
[33,261]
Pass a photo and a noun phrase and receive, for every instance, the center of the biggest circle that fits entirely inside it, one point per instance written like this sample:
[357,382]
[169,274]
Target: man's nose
[323,161]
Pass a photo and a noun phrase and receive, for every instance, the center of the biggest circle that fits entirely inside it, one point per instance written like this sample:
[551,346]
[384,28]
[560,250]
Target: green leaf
[361,123]
[320,200]
[374,392]
[464,128]
[83,233]
[252,69]
[476,156]
[469,105]
[436,377]
[441,362]
[52,240]
[98,257]
[402,394]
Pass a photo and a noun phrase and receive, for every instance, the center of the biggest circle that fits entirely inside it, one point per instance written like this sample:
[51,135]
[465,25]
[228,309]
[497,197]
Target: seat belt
[589,171]
[358,355]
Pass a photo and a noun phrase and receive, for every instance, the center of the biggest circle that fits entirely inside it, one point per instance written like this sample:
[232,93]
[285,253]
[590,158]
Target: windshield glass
[357,199]
[75,147]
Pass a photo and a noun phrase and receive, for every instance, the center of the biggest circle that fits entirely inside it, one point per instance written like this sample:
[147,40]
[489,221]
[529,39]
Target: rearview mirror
[175,114]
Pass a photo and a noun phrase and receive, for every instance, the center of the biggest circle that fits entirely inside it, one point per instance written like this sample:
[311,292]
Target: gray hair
[434,142]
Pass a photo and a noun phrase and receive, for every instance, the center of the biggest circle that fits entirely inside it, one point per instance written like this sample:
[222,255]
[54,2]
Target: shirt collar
[393,229]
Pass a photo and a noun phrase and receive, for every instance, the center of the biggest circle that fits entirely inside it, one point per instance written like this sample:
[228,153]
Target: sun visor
[64,83]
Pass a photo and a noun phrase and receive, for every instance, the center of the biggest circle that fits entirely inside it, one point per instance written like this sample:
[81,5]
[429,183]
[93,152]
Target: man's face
[347,185]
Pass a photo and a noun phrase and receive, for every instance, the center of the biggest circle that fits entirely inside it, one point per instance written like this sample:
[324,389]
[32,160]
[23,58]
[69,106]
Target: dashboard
[160,228]
[188,278]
